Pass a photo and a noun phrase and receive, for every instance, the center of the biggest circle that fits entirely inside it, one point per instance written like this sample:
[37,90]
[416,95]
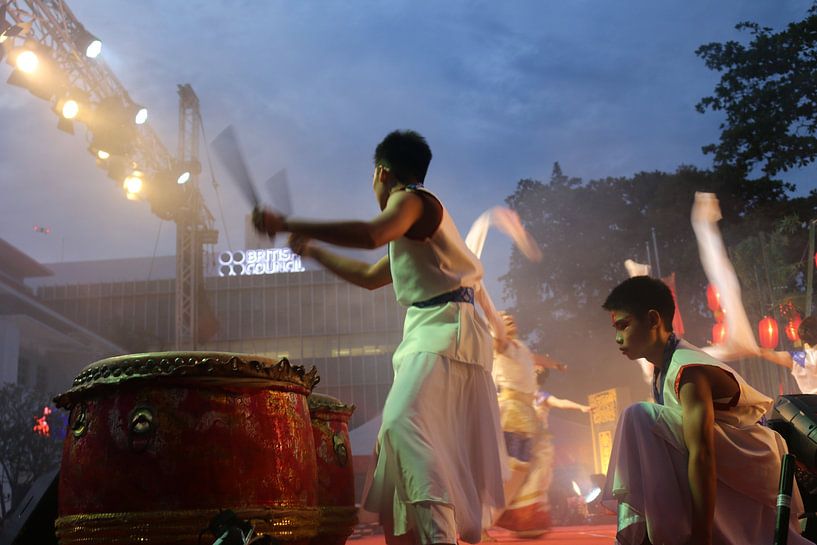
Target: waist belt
[459,295]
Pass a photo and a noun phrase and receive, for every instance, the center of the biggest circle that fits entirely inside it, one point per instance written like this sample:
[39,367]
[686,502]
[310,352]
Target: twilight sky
[500,89]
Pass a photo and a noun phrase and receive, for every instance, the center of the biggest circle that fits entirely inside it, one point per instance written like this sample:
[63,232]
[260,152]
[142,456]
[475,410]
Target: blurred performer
[524,405]
[740,339]
[803,363]
[437,458]
[696,466]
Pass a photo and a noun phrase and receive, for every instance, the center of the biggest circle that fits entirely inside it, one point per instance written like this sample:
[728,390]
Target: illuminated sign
[255,262]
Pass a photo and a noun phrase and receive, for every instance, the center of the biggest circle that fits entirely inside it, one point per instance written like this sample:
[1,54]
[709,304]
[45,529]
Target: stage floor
[562,535]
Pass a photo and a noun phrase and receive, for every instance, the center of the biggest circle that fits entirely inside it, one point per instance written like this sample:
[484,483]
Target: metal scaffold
[57,60]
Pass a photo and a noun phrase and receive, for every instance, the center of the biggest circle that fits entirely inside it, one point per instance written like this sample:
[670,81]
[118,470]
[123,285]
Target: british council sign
[255,262]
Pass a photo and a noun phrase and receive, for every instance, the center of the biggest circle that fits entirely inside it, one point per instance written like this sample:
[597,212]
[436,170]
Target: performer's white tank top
[514,368]
[422,269]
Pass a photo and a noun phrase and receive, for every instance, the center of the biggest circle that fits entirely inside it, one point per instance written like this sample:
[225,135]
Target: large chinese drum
[336,477]
[159,443]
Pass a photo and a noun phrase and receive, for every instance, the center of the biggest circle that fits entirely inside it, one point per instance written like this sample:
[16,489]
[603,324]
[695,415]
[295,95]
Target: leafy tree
[25,453]
[768,91]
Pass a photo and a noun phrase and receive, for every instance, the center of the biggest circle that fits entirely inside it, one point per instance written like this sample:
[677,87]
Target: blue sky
[500,89]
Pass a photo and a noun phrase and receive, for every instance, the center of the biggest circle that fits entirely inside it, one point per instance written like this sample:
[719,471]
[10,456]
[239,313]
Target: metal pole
[810,267]
[655,247]
[649,257]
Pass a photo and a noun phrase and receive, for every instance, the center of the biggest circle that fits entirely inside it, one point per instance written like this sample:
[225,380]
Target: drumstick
[228,151]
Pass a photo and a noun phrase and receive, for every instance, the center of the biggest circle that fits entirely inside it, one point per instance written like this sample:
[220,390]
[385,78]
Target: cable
[213,181]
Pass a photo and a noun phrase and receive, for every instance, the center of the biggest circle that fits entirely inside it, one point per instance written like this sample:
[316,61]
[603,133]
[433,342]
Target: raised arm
[559,403]
[780,358]
[547,362]
[402,211]
[356,272]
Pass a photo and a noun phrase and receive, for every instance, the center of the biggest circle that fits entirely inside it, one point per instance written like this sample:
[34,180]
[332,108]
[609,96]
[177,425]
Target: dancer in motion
[740,339]
[696,466]
[802,363]
[528,445]
[437,457]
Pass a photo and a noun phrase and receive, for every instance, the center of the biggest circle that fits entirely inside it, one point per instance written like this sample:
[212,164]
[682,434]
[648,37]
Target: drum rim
[187,366]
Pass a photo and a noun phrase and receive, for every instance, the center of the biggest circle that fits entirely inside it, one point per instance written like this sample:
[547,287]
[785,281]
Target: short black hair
[639,295]
[406,154]
[542,377]
[808,330]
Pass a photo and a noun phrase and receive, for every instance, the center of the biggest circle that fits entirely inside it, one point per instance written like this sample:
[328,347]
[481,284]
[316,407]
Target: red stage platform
[563,535]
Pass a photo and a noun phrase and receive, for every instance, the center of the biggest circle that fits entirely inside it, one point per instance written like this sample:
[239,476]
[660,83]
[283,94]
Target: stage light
[94,49]
[65,125]
[141,115]
[133,183]
[102,154]
[87,42]
[27,62]
[112,127]
[595,493]
[183,178]
[93,46]
[118,167]
[70,109]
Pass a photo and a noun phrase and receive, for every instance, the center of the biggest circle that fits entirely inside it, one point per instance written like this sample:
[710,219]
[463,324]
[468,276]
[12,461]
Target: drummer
[437,454]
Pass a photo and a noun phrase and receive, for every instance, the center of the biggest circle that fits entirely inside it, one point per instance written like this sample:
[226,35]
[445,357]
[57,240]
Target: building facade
[265,303]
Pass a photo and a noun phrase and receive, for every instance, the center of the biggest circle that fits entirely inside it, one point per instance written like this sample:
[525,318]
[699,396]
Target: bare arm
[782,359]
[559,403]
[545,361]
[356,272]
[402,211]
[699,436]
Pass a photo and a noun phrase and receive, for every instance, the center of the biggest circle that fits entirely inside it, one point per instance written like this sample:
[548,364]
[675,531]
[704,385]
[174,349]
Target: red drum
[336,477]
[160,443]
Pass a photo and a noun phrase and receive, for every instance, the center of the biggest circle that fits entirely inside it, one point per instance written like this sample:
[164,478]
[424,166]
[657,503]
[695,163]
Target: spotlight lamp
[133,184]
[6,30]
[68,108]
[35,71]
[87,43]
[141,115]
[185,170]
[102,154]
[27,61]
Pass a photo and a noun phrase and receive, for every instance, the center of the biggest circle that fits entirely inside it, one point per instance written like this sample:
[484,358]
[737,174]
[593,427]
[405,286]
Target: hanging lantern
[792,329]
[767,332]
[713,298]
[718,333]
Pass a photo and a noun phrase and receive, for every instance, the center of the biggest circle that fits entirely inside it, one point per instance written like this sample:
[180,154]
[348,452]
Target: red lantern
[713,298]
[718,333]
[792,329]
[767,331]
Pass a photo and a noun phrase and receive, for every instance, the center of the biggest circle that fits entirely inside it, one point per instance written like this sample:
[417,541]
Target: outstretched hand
[267,221]
[300,244]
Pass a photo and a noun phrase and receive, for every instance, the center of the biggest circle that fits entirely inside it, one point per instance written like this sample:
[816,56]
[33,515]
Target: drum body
[158,444]
[336,477]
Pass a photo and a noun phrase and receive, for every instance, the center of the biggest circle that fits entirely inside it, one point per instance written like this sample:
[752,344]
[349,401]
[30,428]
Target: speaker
[32,521]
[795,418]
